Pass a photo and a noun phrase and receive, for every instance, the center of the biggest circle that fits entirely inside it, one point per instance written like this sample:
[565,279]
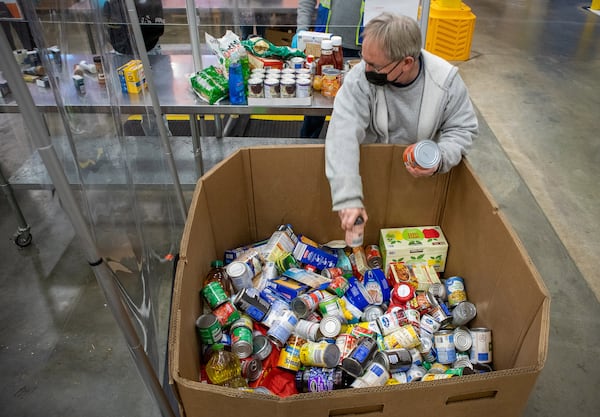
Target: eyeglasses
[376,68]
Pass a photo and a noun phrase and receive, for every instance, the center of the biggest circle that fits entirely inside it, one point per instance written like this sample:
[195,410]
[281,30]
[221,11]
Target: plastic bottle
[311,64]
[326,60]
[219,274]
[237,88]
[224,368]
[338,52]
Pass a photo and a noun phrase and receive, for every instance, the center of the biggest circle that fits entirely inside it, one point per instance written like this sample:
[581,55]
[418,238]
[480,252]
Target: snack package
[263,48]
[210,85]
[229,49]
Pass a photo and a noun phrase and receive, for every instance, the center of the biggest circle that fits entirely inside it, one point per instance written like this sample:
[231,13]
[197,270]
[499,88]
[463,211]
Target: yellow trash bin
[450,29]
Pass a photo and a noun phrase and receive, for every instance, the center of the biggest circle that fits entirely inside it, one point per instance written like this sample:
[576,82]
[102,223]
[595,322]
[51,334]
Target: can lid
[261,347]
[427,154]
[330,326]
[236,269]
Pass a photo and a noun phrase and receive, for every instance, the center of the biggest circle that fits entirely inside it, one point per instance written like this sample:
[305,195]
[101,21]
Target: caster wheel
[23,240]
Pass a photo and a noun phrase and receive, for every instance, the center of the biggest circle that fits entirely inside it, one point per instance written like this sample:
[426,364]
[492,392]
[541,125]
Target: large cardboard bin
[246,196]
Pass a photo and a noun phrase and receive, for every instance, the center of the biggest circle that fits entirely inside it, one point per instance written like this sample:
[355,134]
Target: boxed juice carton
[413,245]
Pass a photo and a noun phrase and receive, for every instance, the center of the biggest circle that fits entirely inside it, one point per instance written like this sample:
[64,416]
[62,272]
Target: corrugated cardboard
[244,198]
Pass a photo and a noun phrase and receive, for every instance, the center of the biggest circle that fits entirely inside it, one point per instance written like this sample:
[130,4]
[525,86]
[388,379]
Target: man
[341,18]
[399,93]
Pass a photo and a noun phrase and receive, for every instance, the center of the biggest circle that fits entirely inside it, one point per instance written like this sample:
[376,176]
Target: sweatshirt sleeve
[306,10]
[459,126]
[346,131]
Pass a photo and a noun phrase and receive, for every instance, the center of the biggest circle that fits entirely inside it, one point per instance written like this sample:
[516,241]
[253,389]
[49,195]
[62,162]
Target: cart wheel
[24,239]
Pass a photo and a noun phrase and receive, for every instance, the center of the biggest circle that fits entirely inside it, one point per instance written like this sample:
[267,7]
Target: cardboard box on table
[245,197]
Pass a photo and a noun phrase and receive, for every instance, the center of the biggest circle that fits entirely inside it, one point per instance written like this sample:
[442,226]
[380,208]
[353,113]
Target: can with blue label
[357,294]
[455,290]
[356,362]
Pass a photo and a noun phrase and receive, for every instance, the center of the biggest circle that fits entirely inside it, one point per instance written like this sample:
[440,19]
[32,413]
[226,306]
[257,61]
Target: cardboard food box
[414,244]
[500,278]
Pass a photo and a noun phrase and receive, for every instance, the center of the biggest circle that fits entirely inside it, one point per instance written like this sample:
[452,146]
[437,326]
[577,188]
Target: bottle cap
[336,40]
[326,44]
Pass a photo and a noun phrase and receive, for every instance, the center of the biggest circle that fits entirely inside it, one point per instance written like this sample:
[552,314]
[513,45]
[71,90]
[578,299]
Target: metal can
[373,255]
[261,347]
[413,316]
[403,337]
[330,326]
[250,302]
[209,329]
[441,314]
[395,360]
[415,373]
[462,339]
[427,350]
[463,313]
[226,314]
[305,304]
[423,155]
[402,293]
[438,290]
[444,346]
[272,87]
[282,328]
[375,375]
[240,274]
[330,305]
[429,324]
[315,379]
[255,87]
[332,272]
[303,87]
[372,313]
[277,309]
[455,288]
[361,355]
[241,340]
[438,368]
[339,285]
[390,322]
[289,357]
[481,350]
[307,329]
[214,294]
[321,354]
[251,368]
[345,343]
[288,88]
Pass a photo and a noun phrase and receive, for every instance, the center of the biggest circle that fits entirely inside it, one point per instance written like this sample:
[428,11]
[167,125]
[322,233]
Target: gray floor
[533,76]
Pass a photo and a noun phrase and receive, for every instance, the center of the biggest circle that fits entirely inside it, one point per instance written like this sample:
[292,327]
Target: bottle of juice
[219,274]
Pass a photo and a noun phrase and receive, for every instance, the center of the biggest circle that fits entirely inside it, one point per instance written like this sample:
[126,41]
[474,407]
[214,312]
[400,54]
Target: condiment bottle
[338,52]
[326,60]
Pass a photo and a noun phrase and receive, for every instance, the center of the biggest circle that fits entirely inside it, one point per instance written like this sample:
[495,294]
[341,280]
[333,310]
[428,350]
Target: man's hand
[420,172]
[351,223]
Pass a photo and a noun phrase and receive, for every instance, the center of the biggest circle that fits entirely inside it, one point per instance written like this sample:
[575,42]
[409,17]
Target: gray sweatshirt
[435,106]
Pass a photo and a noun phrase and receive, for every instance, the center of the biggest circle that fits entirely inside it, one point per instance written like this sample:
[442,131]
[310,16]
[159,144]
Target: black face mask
[380,78]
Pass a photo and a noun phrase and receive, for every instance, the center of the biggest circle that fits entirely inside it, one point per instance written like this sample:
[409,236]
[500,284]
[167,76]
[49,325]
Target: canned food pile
[325,317]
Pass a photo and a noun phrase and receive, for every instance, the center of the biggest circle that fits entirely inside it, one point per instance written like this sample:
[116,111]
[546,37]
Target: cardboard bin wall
[245,197]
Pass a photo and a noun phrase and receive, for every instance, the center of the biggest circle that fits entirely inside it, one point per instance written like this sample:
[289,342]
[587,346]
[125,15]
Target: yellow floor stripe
[270,117]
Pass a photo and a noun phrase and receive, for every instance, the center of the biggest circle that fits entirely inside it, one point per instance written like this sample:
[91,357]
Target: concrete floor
[533,76]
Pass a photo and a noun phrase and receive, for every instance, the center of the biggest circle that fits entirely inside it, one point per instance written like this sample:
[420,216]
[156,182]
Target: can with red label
[332,272]
[226,314]
[423,155]
[305,304]
[345,343]
[373,255]
[402,293]
[391,321]
[339,285]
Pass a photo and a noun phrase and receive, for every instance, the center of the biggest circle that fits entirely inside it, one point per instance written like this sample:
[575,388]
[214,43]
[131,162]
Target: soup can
[307,329]
[455,290]
[481,350]
[282,328]
[355,363]
[424,154]
[289,357]
[209,329]
[444,346]
[320,354]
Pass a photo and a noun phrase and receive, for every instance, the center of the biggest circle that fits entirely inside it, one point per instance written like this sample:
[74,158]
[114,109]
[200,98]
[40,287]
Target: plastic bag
[229,49]
[210,85]
[263,48]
